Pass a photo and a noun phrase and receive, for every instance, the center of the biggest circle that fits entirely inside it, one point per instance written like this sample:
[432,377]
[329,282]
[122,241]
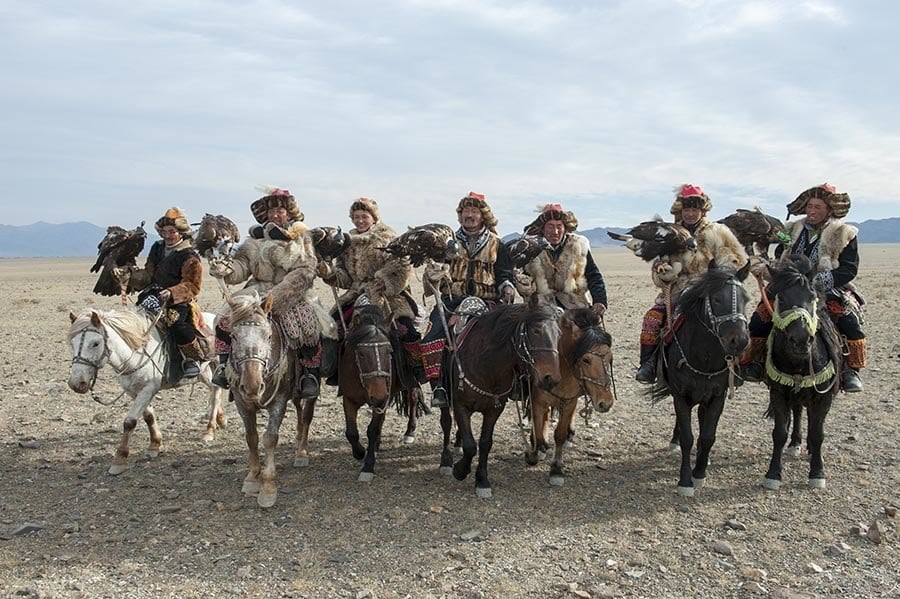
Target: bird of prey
[756,230]
[432,241]
[526,248]
[216,236]
[656,238]
[118,249]
[329,242]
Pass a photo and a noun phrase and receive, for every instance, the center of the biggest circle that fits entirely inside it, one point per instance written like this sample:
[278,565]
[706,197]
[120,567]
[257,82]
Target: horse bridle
[235,362]
[734,316]
[96,366]
[380,370]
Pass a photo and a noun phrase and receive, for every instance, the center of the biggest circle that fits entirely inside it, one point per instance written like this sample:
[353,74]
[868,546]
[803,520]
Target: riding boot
[850,381]
[647,371]
[753,361]
[309,383]
[191,352]
[219,379]
[855,359]
[438,396]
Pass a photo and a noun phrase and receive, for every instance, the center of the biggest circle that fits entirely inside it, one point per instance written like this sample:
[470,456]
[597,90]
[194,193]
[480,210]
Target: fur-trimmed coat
[362,264]
[835,254]
[714,240]
[562,279]
[180,272]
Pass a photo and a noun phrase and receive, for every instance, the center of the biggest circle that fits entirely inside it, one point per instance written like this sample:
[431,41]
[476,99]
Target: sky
[112,111]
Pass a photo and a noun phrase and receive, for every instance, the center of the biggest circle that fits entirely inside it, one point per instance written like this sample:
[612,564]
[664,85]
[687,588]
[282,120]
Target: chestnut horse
[482,373]
[585,368]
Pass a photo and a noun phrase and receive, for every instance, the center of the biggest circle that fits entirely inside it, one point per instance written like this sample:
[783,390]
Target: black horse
[483,371]
[802,364]
[710,332]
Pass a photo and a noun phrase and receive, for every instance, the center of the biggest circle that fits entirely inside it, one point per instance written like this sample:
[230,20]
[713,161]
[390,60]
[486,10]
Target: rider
[363,269]
[565,270]
[171,279]
[831,245]
[483,270]
[279,260]
[714,241]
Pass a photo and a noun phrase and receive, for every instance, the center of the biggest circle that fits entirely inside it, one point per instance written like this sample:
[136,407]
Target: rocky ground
[178,525]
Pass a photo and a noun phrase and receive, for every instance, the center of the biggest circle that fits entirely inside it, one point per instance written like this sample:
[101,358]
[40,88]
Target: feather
[432,241]
[216,236]
[119,248]
[655,238]
[329,242]
[756,230]
[526,248]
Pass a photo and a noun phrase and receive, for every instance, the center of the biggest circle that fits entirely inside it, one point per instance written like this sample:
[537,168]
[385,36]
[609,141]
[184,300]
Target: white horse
[132,345]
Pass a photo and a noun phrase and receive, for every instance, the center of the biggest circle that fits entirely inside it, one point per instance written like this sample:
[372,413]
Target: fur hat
[275,198]
[174,217]
[550,212]
[689,196]
[370,206]
[839,203]
[476,200]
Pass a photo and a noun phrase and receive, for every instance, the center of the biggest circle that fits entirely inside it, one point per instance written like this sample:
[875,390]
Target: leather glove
[324,270]
[599,309]
[220,266]
[759,266]
[509,295]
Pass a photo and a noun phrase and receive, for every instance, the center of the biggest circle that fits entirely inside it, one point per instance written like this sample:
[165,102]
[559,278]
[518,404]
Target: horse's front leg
[446,448]
[351,430]
[561,437]
[485,443]
[373,435]
[463,466]
[793,448]
[540,415]
[779,410]
[268,489]
[138,408]
[412,404]
[251,435]
[305,411]
[708,424]
[155,435]
[675,440]
[686,442]
[816,412]
[215,417]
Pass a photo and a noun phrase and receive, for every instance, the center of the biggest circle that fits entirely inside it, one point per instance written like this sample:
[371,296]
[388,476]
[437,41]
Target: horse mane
[592,333]
[502,323]
[793,270]
[244,307]
[369,322]
[128,324]
[703,286]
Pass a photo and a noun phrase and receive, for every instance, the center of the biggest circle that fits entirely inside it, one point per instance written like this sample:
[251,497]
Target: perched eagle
[119,248]
[329,242]
[526,248]
[216,236]
[434,241]
[656,238]
[756,230]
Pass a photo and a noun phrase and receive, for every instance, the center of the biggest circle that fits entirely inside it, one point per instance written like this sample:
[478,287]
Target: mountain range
[80,239]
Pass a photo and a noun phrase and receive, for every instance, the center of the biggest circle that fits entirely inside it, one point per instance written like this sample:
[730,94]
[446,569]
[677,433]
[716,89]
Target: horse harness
[780,322]
[236,361]
[381,370]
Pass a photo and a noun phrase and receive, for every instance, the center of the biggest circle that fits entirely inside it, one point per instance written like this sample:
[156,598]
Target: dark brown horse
[698,365]
[802,364]
[368,375]
[585,368]
[482,373]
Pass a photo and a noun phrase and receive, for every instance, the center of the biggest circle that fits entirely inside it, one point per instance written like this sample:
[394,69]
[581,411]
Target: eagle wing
[524,249]
[329,242]
[118,248]
[217,234]
[755,229]
[656,238]
[433,241]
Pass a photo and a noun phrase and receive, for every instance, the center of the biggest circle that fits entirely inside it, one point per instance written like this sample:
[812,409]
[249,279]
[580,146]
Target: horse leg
[463,467]
[793,448]
[351,431]
[816,413]
[138,406]
[153,429]
[485,442]
[305,411]
[779,409]
[708,424]
[674,442]
[268,490]
[686,442]
[561,437]
[412,404]
[540,412]
[215,414]
[251,435]
[373,434]
[446,449]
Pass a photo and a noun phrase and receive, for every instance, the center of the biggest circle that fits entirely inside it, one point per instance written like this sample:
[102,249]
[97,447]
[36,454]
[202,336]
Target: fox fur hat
[275,198]
[839,203]
[689,196]
[174,217]
[550,212]
[370,206]
[476,200]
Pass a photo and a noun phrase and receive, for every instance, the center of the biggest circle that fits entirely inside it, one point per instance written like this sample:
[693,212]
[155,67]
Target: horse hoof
[674,447]
[483,492]
[446,470]
[408,439]
[301,462]
[698,482]
[266,500]
[557,481]
[117,469]
[568,445]
[686,491]
[366,477]
[792,451]
[817,483]
[250,488]
[541,455]
[208,438]
[771,484]
[152,453]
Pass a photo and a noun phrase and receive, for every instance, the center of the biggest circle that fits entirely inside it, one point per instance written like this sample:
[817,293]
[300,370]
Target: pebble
[28,444]
[734,524]
[168,509]
[754,587]
[753,573]
[470,535]
[890,511]
[839,548]
[814,568]
[605,591]
[27,527]
[723,547]
[875,532]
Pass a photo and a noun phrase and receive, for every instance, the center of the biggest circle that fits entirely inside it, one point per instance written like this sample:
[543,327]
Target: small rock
[890,511]
[814,568]
[753,573]
[364,594]
[733,524]
[875,532]
[27,527]
[859,530]
[611,563]
[786,593]
[605,591]
[168,509]
[470,535]
[173,494]
[28,443]
[634,574]
[723,547]
[244,572]
[436,509]
[839,548]
[751,586]
[582,594]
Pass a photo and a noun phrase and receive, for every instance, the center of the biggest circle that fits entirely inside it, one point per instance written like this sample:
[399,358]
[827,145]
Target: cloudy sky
[112,111]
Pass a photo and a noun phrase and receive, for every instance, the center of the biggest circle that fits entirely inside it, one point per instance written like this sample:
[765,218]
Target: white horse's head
[251,346]
[90,349]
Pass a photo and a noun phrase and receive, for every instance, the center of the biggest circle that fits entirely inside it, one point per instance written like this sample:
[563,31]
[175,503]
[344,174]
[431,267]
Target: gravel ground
[178,525]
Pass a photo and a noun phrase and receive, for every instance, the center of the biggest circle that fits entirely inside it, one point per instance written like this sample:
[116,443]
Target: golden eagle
[656,238]
[526,248]
[118,249]
[216,236]
[329,242]
[756,230]
[432,241]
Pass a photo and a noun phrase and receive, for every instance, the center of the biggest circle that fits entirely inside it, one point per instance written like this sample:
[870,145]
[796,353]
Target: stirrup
[646,373]
[309,387]
[190,369]
[439,398]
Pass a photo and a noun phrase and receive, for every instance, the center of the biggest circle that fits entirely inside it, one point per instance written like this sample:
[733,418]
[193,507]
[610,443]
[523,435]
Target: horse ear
[95,318]
[744,271]
[267,304]
[72,316]
[713,265]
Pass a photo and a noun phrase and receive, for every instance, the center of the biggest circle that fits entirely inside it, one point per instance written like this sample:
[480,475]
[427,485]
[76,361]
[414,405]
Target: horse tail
[659,391]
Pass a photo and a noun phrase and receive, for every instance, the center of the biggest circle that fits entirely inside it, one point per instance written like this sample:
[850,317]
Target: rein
[780,321]
[379,371]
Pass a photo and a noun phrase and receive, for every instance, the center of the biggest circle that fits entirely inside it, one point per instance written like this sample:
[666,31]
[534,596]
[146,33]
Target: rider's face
[691,216]
[362,220]
[170,235]
[471,219]
[817,211]
[277,215]
[554,230]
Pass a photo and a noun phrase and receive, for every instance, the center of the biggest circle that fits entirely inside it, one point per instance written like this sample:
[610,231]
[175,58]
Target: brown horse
[482,373]
[585,368]
[368,375]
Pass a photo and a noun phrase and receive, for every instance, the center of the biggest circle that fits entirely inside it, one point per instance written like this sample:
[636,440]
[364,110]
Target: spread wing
[432,241]
[118,248]
[329,242]
[652,239]
[526,248]
[217,234]
[755,229]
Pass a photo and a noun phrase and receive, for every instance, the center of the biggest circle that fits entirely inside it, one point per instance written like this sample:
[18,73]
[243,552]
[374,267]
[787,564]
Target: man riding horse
[279,261]
[170,281]
[831,245]
[714,241]
[565,271]
[483,270]
[364,270]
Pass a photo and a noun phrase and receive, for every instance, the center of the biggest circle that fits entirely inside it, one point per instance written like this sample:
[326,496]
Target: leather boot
[218,378]
[753,361]
[438,396]
[309,384]
[850,381]
[191,352]
[647,371]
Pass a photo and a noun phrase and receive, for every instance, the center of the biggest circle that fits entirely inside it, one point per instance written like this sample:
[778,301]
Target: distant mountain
[46,240]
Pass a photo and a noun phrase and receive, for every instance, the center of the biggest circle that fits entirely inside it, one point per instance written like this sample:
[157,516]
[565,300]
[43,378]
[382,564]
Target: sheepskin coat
[563,279]
[835,253]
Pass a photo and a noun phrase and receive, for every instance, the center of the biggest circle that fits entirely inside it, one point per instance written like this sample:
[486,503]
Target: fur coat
[190,276]
[362,264]
[833,239]
[563,279]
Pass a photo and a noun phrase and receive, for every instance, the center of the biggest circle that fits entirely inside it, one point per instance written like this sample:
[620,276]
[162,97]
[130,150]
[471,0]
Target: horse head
[369,345]
[90,349]
[251,346]
[796,304]
[537,340]
[585,346]
[719,298]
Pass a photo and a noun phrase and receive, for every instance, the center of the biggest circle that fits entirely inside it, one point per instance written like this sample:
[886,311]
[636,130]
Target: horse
[260,373]
[135,349]
[803,362]
[481,373]
[585,368]
[368,375]
[709,330]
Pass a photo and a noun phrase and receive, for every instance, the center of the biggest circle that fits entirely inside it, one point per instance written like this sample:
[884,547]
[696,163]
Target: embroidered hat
[550,212]
[839,203]
[275,198]
[476,200]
